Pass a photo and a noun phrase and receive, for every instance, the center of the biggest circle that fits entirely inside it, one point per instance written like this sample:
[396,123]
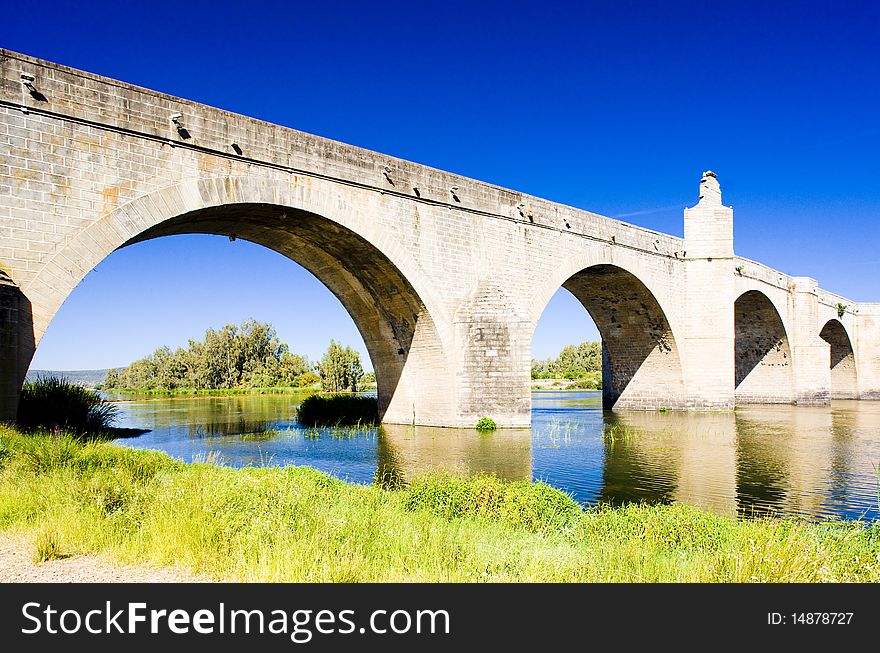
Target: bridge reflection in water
[406,452]
[813,461]
[816,461]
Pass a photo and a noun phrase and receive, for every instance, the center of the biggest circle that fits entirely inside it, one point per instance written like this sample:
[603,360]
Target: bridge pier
[493,360]
[867,349]
[810,353]
[16,345]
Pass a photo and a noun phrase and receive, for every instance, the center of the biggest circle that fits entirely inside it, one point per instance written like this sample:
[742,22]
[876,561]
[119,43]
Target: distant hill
[89,378]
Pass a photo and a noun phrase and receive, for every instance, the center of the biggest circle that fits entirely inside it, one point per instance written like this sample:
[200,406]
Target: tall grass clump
[46,545]
[56,404]
[536,507]
[338,410]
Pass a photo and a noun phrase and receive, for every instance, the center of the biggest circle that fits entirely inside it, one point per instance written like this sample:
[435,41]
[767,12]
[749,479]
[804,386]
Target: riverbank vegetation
[338,410]
[340,369]
[214,392]
[239,359]
[579,366]
[298,524]
[55,404]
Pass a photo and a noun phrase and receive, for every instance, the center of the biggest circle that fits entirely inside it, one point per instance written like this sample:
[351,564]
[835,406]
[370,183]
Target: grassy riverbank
[216,392]
[224,392]
[297,524]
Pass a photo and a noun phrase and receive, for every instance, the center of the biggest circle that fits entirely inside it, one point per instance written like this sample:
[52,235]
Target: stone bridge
[444,276]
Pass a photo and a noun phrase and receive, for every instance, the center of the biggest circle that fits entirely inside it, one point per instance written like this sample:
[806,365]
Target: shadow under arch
[347,252]
[641,367]
[763,369]
[844,378]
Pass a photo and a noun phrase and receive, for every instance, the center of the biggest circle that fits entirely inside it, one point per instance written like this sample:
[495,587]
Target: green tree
[340,368]
[292,367]
[140,375]
[237,356]
[111,379]
[574,362]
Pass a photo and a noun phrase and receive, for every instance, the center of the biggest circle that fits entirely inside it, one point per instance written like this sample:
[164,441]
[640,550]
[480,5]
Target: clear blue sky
[616,107]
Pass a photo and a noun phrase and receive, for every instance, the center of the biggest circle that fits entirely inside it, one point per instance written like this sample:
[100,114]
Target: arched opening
[844,383]
[763,355]
[393,321]
[167,291]
[641,368]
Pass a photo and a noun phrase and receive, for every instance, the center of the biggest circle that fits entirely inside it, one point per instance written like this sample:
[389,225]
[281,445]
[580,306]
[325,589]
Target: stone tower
[709,297]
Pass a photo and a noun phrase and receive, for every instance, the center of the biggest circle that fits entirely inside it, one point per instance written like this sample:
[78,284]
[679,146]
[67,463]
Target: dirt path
[17,566]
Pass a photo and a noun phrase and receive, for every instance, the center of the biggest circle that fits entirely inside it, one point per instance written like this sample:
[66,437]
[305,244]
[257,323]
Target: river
[809,461]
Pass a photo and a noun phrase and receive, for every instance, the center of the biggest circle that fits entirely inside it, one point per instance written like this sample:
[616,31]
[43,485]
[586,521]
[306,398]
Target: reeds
[338,410]
[55,404]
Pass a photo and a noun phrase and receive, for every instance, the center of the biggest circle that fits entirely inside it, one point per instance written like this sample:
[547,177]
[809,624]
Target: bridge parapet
[833,300]
[107,104]
[750,269]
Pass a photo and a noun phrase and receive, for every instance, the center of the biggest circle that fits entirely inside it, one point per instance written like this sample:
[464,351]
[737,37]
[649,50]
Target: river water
[810,461]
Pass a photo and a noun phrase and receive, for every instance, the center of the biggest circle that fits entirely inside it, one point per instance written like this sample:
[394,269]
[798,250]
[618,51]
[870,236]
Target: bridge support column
[421,394]
[810,354]
[867,348]
[493,366]
[16,345]
[708,343]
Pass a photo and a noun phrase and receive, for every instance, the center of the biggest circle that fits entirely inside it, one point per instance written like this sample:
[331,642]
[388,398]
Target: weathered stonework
[444,276]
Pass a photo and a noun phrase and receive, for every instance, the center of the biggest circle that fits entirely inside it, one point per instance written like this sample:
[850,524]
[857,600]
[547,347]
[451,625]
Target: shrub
[306,380]
[486,424]
[57,404]
[592,381]
[338,410]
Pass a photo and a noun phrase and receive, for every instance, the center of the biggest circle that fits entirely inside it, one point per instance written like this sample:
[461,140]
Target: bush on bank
[53,403]
[338,410]
[298,524]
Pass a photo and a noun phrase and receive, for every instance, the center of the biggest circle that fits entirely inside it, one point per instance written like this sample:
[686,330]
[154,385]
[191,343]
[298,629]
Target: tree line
[575,362]
[249,355]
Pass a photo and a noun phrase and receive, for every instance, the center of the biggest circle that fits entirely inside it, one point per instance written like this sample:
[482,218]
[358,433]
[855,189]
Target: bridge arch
[332,235]
[844,375]
[763,362]
[641,365]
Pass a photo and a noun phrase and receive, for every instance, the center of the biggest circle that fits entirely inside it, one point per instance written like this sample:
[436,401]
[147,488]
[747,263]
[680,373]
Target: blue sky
[616,107]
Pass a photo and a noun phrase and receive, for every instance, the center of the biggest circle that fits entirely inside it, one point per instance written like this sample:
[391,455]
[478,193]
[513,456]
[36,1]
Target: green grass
[298,524]
[338,410]
[46,545]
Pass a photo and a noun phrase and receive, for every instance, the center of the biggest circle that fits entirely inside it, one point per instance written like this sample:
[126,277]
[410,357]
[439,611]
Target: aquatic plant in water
[338,410]
[486,424]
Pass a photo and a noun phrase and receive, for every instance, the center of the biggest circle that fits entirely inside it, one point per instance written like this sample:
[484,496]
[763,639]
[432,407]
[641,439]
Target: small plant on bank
[841,309]
[338,410]
[46,545]
[740,268]
[56,404]
[486,424]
